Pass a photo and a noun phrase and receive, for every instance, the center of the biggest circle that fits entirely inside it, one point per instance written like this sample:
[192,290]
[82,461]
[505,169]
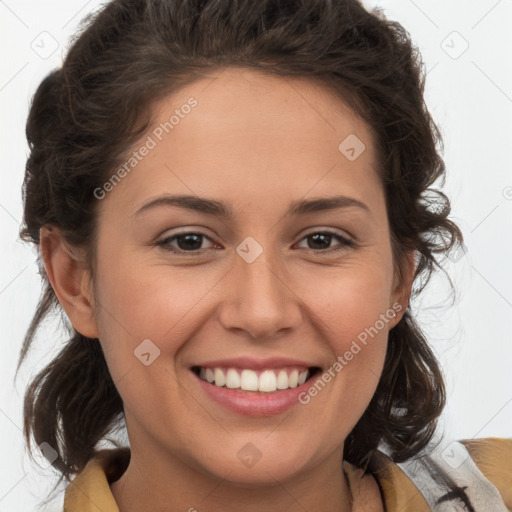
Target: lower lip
[251,403]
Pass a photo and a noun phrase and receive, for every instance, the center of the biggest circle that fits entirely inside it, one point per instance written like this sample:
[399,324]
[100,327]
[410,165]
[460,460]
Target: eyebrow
[220,209]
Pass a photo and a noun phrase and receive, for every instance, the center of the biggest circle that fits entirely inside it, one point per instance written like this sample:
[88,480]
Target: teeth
[232,379]
[248,380]
[220,380]
[268,381]
[293,379]
[210,377]
[282,380]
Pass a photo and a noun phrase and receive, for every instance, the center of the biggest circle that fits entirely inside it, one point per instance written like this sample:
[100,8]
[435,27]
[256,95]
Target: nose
[260,298]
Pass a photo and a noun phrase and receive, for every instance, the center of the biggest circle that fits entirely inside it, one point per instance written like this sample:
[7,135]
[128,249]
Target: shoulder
[493,456]
[90,490]
[475,471]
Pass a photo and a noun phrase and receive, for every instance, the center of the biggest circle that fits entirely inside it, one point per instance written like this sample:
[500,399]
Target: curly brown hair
[86,115]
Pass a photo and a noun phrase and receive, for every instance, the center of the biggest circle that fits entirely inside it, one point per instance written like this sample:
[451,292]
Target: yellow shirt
[90,490]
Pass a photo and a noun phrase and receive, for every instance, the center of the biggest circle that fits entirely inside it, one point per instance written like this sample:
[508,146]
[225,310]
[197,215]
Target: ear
[402,284]
[65,268]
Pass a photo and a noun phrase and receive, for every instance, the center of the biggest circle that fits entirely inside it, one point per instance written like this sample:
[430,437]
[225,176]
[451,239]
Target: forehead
[259,102]
[251,134]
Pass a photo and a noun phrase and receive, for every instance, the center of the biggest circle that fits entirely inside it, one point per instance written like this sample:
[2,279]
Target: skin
[256,142]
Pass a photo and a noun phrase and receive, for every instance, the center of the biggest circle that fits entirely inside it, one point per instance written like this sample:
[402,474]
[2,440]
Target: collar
[90,490]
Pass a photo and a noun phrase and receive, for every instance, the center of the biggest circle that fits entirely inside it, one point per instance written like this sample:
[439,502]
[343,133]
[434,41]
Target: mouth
[263,381]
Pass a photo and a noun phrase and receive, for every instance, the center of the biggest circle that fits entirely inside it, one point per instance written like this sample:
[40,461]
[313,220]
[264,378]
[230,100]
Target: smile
[266,381]
[263,390]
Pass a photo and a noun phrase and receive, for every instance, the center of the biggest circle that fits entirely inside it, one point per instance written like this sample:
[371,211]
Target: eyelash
[164,243]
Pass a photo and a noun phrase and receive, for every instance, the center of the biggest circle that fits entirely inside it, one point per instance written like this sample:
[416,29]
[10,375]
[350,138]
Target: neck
[166,484]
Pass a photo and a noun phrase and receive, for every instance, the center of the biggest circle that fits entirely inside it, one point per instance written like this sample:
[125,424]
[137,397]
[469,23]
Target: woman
[232,203]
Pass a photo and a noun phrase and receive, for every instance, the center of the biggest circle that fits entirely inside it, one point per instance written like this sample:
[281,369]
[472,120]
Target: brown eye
[321,241]
[189,242]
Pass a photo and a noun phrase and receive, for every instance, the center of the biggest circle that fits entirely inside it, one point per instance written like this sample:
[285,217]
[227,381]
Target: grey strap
[462,488]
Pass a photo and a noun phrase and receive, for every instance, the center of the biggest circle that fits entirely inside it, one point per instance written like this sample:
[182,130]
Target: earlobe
[402,285]
[69,279]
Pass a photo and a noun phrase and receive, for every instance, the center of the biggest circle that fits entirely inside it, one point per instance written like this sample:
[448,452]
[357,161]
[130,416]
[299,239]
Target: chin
[262,474]
[252,468]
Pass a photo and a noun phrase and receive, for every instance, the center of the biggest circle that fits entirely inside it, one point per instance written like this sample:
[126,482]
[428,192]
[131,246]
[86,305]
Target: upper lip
[251,363]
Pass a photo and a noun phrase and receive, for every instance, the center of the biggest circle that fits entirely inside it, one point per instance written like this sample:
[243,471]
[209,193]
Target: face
[255,278]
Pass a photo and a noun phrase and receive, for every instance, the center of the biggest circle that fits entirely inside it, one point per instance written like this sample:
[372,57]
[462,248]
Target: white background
[470,98]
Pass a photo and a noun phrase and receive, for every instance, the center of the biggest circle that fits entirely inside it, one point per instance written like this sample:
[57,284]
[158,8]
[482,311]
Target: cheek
[353,310]
[342,392]
[360,319]
[140,299]
[350,299]
[358,332]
